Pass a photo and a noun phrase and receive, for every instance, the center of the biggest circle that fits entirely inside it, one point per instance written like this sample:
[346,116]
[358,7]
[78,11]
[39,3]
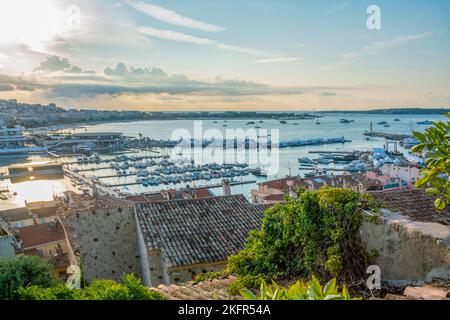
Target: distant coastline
[395,111]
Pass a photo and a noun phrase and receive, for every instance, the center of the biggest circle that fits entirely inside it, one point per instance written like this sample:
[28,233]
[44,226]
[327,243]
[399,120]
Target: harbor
[126,159]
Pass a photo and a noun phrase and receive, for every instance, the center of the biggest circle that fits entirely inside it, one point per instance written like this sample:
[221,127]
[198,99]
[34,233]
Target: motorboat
[426,122]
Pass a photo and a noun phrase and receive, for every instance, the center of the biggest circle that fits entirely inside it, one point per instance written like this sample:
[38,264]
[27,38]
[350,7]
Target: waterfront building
[12,138]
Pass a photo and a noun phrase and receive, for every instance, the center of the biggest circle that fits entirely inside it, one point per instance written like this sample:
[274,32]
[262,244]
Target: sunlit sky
[225,55]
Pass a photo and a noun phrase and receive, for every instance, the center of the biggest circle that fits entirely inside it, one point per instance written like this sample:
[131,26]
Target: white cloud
[182,37]
[3,56]
[338,7]
[396,41]
[172,17]
[279,60]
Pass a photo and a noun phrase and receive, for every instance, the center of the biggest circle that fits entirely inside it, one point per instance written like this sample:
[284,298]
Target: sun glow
[31,23]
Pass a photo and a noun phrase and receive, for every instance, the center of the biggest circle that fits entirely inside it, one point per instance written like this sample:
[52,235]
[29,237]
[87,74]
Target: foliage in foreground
[23,271]
[436,141]
[316,234]
[130,289]
[312,290]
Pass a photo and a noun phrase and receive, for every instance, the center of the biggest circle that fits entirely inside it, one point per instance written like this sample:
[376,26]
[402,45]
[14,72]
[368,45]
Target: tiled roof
[282,184]
[174,194]
[40,234]
[14,215]
[415,204]
[197,231]
[207,290]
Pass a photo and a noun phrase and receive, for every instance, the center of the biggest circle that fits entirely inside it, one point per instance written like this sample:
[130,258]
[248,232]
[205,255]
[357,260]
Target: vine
[315,234]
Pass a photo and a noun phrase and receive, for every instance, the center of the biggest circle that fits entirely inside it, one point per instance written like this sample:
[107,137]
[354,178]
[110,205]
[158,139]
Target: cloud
[58,64]
[53,63]
[338,7]
[6,87]
[172,17]
[377,45]
[182,37]
[374,47]
[279,60]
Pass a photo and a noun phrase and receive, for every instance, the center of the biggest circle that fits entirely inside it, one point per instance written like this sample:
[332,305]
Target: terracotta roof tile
[415,204]
[198,230]
[40,234]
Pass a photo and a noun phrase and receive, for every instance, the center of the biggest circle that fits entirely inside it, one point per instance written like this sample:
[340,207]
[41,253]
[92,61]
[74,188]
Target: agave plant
[312,290]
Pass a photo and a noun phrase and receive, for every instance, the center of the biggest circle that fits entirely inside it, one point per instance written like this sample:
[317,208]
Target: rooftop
[197,231]
[14,215]
[173,194]
[40,234]
[416,204]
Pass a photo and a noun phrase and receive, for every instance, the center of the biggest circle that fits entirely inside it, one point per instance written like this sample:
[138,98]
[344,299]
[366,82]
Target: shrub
[23,271]
[130,289]
[244,282]
[314,234]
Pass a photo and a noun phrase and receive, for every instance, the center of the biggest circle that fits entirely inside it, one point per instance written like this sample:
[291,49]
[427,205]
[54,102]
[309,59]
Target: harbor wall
[422,249]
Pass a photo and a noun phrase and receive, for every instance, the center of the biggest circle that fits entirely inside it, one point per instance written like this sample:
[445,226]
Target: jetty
[389,136]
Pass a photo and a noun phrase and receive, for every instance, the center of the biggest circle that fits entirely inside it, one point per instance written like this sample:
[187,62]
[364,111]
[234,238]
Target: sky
[186,55]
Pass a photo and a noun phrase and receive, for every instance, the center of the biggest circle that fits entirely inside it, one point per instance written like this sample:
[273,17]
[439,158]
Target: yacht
[283,122]
[382,123]
[397,120]
[356,166]
[345,121]
[426,122]
[305,161]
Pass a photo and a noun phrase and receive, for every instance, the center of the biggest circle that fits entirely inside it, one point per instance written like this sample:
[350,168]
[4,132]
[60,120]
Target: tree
[436,142]
[23,271]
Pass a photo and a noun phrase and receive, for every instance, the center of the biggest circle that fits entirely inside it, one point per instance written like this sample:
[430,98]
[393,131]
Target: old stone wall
[108,243]
[406,251]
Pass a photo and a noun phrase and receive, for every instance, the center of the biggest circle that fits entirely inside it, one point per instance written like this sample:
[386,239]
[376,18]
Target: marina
[146,163]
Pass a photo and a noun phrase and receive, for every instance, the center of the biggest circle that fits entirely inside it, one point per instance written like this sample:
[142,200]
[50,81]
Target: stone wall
[408,252]
[108,243]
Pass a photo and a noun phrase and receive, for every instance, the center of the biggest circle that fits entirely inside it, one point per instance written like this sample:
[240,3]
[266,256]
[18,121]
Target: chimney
[226,187]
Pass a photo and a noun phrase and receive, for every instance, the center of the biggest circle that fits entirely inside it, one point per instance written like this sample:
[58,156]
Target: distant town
[13,113]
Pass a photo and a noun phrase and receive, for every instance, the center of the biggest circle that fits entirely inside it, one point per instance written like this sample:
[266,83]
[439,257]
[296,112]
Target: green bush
[314,234]
[23,271]
[130,289]
[244,282]
[312,290]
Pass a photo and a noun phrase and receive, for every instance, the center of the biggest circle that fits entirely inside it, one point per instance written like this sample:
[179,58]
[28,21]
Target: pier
[389,136]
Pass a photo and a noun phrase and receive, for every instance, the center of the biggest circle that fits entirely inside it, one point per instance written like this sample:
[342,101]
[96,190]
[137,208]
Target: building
[162,241]
[270,192]
[43,211]
[12,138]
[17,218]
[186,193]
[181,238]
[409,174]
[8,243]
[44,240]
